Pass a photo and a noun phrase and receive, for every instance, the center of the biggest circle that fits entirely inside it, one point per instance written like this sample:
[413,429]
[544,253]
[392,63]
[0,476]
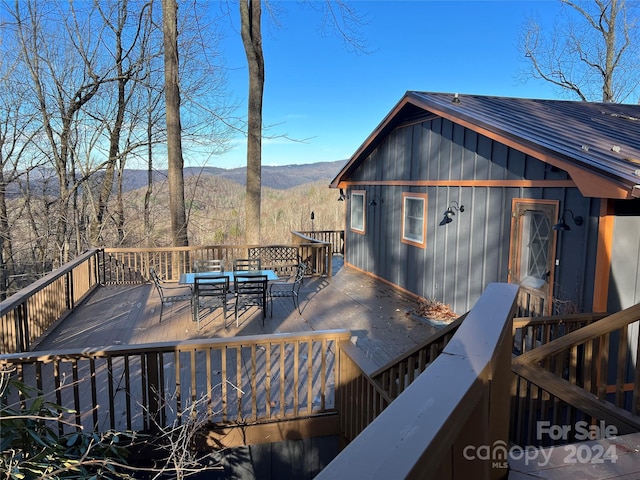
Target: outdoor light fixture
[342,196]
[373,202]
[563,226]
[450,212]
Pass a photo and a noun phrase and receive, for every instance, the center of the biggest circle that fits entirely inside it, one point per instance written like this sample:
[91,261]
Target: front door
[533,245]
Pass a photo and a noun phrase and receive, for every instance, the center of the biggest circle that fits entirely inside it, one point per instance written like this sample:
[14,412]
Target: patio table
[188,278]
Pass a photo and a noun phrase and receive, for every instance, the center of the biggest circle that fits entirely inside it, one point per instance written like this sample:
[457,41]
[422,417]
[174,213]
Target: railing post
[154,392]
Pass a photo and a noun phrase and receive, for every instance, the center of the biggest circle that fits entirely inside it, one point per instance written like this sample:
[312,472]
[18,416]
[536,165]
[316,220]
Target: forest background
[83,138]
[215,209]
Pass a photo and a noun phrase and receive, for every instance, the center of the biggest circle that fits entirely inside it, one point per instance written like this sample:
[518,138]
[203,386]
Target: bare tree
[17,128]
[250,18]
[174,128]
[337,14]
[64,76]
[129,37]
[593,53]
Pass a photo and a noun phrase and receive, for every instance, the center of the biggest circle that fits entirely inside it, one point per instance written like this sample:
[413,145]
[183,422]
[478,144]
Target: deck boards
[374,312]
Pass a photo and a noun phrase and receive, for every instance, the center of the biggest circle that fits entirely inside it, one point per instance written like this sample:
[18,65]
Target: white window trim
[357,194]
[406,196]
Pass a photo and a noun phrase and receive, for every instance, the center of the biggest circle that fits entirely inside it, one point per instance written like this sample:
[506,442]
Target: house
[452,192]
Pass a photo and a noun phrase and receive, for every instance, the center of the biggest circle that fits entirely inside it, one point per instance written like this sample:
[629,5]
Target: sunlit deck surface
[379,317]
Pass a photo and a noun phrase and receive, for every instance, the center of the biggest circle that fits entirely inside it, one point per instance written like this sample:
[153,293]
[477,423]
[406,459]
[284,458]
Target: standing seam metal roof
[603,138]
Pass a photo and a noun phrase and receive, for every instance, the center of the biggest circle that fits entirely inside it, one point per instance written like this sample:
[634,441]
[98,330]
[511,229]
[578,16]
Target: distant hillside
[280,177]
[277,177]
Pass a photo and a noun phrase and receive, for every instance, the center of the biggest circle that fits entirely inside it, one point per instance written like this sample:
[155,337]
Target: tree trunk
[6,249]
[250,16]
[174,140]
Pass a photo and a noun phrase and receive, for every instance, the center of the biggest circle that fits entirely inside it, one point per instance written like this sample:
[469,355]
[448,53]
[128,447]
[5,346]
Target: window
[357,210]
[414,224]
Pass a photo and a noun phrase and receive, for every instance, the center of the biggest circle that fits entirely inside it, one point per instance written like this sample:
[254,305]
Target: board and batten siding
[463,257]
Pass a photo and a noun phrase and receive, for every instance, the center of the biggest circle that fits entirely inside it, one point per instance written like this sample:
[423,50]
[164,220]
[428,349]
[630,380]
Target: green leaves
[31,446]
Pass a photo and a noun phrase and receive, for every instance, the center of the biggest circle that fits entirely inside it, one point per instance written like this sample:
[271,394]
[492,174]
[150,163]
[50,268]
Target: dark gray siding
[462,258]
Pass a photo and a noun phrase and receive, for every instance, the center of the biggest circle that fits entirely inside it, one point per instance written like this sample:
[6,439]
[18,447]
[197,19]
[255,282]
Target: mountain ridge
[280,177]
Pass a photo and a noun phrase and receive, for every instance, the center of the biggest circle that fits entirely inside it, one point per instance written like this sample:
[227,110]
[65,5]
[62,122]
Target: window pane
[357,211]
[414,219]
[536,237]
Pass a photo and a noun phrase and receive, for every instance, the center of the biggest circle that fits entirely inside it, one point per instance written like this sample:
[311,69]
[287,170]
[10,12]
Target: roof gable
[598,144]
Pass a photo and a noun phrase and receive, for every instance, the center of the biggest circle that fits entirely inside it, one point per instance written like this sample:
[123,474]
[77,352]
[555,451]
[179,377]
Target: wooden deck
[375,313]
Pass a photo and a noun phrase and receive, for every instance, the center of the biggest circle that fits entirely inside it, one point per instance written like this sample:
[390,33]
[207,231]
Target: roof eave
[590,183]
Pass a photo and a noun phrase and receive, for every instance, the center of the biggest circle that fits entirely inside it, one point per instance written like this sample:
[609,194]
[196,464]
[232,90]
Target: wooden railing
[243,380]
[532,332]
[589,375]
[368,390]
[398,374]
[532,303]
[334,237]
[130,265]
[27,314]
[317,253]
[433,429]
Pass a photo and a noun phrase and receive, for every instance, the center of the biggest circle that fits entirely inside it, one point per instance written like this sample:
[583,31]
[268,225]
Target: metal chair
[288,288]
[252,289]
[169,293]
[208,265]
[246,264]
[210,286]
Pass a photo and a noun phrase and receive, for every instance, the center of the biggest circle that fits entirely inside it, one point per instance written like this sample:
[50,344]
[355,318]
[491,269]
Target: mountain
[277,177]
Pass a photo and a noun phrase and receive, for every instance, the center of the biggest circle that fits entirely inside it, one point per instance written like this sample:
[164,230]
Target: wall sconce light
[563,226]
[373,202]
[450,212]
[342,196]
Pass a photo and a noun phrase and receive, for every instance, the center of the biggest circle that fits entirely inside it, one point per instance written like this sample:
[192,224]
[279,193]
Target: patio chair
[246,264]
[290,288]
[210,286]
[251,290]
[208,266]
[169,293]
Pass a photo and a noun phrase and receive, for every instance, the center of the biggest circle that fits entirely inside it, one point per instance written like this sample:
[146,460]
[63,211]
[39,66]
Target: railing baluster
[239,416]
[282,379]
[310,377]
[323,375]
[623,348]
[635,406]
[223,380]
[296,377]
[267,373]
[254,381]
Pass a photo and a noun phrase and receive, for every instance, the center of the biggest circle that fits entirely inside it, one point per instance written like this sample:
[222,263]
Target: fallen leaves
[435,310]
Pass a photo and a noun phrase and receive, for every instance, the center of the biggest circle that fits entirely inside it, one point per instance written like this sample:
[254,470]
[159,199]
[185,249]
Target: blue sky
[318,90]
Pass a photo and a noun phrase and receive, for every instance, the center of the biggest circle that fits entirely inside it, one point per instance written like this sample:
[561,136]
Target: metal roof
[589,140]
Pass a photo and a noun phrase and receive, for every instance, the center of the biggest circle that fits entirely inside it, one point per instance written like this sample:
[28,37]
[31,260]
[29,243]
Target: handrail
[171,262]
[317,253]
[458,404]
[398,374]
[241,380]
[531,332]
[589,374]
[28,313]
[335,237]
[370,389]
